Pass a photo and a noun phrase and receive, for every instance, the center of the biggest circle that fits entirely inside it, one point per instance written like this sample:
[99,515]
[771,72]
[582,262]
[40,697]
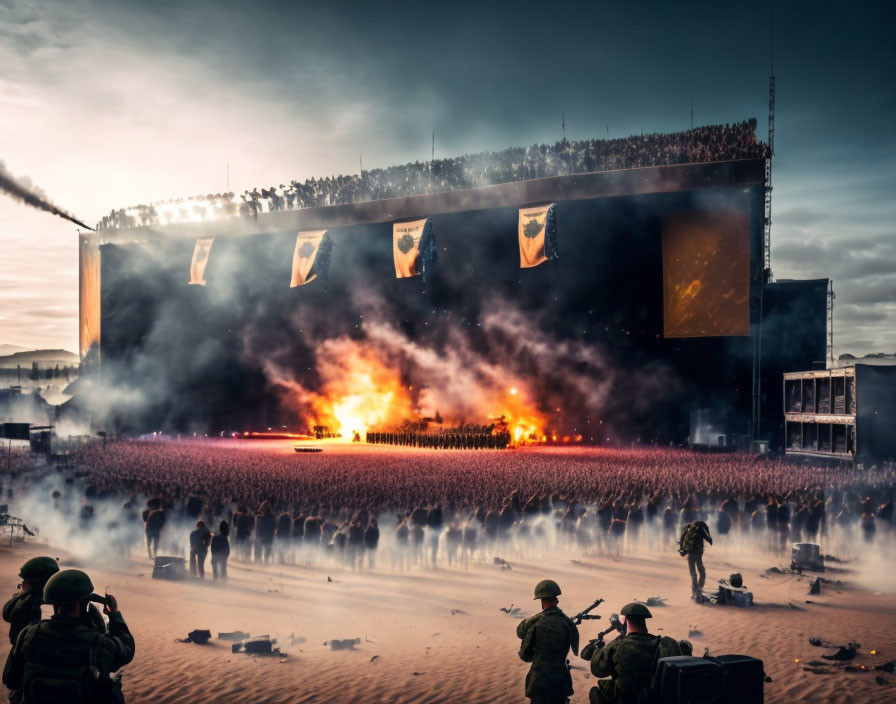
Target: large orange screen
[706,274]
[89,295]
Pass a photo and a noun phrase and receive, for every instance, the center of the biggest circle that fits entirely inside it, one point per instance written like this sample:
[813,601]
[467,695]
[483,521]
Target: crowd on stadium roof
[699,145]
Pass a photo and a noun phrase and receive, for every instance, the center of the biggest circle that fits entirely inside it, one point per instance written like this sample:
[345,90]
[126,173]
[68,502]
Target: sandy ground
[439,636]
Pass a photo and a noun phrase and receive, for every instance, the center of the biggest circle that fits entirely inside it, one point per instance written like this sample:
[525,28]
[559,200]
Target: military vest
[61,666]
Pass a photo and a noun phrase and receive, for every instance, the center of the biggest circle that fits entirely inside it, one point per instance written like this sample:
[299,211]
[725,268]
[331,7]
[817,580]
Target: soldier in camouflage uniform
[691,545]
[630,660]
[63,659]
[547,638]
[24,607]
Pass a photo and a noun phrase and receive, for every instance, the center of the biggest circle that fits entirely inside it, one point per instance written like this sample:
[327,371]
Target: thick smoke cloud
[22,190]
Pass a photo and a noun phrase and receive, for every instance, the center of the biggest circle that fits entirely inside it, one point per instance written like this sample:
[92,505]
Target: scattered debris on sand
[198,636]
[259,645]
[844,652]
[511,611]
[343,644]
[233,635]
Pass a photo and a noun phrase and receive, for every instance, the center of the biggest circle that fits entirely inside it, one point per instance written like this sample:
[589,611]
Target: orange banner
[406,247]
[532,232]
[307,246]
[200,260]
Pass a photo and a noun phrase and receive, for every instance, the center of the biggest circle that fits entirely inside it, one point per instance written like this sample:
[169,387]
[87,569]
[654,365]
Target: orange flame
[362,390]
[359,392]
[524,423]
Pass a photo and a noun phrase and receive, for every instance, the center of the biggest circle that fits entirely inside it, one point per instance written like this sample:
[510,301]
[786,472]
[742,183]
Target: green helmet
[39,569]
[636,608]
[68,587]
[547,589]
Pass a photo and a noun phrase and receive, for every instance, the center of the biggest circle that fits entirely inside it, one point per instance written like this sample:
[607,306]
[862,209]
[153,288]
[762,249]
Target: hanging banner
[200,260]
[414,248]
[537,235]
[309,252]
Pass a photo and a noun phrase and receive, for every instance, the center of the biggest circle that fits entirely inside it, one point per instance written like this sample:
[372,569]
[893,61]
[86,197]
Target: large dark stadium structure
[661,270]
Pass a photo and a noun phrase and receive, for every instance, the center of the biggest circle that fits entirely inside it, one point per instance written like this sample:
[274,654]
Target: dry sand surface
[439,635]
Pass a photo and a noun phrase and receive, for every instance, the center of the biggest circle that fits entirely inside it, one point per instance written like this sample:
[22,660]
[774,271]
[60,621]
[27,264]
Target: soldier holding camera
[65,660]
[630,660]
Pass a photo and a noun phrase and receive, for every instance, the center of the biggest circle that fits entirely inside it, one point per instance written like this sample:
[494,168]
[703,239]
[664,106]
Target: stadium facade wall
[606,290]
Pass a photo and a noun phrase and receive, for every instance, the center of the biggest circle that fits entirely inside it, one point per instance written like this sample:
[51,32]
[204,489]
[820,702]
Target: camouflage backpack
[690,538]
[53,678]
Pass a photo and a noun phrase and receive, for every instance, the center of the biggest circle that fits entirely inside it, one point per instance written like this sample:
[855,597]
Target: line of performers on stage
[468,438]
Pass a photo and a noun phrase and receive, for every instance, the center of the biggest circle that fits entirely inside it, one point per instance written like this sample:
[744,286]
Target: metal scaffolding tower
[831,297]
[767,222]
[766,236]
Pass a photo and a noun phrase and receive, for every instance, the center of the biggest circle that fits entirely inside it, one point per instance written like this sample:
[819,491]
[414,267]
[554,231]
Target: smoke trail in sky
[28,194]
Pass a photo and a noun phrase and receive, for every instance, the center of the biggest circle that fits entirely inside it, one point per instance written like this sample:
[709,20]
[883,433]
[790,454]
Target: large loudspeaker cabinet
[172,568]
[743,679]
[683,679]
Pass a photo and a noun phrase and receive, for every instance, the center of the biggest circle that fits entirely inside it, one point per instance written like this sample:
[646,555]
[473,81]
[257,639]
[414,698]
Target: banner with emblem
[413,247]
[201,252]
[310,258]
[537,235]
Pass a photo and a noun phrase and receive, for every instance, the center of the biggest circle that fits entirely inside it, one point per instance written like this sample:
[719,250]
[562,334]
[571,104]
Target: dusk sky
[108,104]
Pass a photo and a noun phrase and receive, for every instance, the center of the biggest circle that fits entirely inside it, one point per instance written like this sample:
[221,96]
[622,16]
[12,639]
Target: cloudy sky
[112,103]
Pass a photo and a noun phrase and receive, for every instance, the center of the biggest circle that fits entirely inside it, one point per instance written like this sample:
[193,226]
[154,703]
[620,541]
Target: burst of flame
[360,391]
[524,423]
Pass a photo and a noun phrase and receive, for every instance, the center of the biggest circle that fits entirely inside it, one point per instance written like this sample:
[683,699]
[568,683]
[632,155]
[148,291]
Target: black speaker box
[743,679]
[683,679]
[173,568]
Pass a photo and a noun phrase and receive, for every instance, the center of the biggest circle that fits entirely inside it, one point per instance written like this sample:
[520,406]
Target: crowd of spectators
[397,480]
[698,145]
[440,505]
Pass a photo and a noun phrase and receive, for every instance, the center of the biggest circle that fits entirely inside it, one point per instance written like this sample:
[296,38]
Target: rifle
[584,614]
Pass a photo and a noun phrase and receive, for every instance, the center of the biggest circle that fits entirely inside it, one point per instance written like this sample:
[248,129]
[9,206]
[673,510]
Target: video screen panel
[89,283]
[706,274]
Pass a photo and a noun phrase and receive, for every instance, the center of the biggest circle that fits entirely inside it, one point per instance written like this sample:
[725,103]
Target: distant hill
[44,358]
[875,358]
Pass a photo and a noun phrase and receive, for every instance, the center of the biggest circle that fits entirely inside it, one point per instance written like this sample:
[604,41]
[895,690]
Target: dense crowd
[397,479]
[600,491]
[270,504]
[699,145]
